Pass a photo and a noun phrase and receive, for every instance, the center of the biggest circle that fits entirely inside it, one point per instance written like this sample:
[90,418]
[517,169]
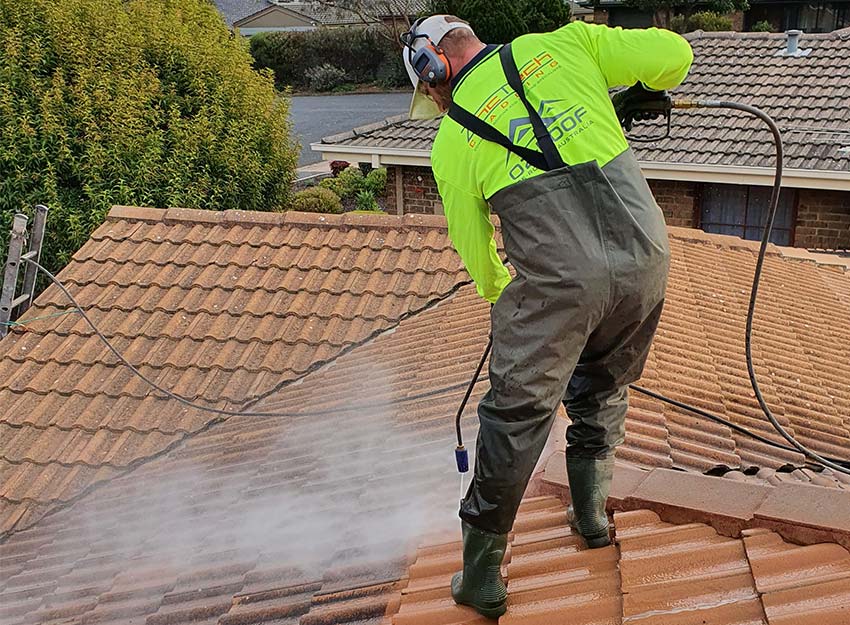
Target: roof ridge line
[729,506]
[231,217]
[731,242]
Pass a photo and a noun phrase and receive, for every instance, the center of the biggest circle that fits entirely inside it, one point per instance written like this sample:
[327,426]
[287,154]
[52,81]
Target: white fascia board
[760,176]
[376,156]
[654,170]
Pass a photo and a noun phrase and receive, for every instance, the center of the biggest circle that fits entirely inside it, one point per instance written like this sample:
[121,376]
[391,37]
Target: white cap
[435,27]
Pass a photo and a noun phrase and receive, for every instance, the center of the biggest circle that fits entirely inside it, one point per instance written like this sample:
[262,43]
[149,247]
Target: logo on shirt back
[562,124]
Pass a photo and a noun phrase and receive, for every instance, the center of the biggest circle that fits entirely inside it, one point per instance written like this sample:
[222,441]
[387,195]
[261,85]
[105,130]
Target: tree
[140,102]
[390,17]
[500,21]
[662,10]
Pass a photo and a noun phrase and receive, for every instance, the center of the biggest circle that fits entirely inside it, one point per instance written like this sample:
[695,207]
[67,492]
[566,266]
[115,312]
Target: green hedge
[139,102]
[363,55]
[707,21]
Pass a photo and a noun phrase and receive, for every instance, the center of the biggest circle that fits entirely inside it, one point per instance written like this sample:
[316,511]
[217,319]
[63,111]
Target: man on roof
[532,135]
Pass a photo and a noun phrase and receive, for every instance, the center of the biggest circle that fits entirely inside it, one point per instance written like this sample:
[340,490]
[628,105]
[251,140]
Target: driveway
[314,117]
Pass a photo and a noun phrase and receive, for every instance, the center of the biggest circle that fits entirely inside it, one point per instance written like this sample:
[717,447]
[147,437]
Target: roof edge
[731,34]
[801,513]
[727,241]
[410,221]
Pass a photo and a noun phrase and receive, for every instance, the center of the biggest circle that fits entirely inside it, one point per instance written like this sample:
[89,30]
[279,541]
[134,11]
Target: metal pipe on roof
[792,42]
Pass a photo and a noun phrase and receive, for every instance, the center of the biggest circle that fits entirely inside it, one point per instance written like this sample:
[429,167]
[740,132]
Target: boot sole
[491,613]
[592,542]
[599,541]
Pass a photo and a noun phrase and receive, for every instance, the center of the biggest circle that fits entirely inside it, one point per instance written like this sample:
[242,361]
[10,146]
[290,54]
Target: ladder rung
[20,300]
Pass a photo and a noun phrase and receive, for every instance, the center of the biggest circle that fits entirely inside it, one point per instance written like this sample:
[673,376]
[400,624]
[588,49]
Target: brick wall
[678,201]
[823,219]
[737,18]
[419,190]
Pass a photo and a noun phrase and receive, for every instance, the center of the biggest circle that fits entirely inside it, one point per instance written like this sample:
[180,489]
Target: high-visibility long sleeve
[658,58]
[471,233]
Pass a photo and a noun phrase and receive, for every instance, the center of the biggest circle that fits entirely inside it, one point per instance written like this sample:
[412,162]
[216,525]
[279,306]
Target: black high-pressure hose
[461,454]
[842,466]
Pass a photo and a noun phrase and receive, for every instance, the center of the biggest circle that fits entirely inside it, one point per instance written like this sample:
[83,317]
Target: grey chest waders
[589,246]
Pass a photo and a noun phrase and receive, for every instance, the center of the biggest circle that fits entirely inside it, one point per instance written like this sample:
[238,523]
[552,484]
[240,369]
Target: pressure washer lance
[654,105]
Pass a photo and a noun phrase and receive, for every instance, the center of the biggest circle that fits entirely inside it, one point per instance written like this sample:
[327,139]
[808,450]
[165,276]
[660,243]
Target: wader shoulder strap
[541,133]
[488,133]
[548,158]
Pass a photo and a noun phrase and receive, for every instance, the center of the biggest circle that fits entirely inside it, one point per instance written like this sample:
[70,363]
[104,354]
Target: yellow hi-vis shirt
[566,75]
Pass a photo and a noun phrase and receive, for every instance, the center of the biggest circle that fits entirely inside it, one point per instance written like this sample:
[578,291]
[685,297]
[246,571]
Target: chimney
[792,45]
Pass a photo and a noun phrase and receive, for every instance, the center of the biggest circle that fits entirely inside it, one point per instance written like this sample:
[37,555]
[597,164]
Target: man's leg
[596,402]
[536,344]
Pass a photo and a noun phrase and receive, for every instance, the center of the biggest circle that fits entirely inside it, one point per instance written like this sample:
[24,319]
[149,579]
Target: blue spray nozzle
[462,459]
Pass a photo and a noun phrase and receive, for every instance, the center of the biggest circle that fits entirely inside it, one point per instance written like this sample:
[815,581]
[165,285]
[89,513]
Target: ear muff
[431,64]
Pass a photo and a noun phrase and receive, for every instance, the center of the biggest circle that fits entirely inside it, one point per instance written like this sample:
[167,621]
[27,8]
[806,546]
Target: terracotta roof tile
[217,307]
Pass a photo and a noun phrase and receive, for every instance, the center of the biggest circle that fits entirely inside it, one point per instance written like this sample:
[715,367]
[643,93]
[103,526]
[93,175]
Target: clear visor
[422,106]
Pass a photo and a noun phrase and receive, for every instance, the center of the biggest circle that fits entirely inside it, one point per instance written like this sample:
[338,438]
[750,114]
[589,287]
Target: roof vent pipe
[792,45]
[793,41]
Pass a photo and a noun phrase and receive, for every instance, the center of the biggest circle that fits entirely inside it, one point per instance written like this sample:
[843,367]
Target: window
[741,210]
[817,16]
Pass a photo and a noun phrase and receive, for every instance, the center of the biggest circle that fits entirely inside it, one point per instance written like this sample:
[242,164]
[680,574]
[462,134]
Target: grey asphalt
[315,117]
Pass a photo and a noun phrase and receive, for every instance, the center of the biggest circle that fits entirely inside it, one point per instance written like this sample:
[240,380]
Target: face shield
[424,32]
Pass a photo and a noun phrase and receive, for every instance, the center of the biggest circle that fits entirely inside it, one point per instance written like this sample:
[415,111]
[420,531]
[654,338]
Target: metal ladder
[9,304]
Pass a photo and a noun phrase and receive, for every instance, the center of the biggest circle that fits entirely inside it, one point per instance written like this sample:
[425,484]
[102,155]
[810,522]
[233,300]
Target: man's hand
[637,103]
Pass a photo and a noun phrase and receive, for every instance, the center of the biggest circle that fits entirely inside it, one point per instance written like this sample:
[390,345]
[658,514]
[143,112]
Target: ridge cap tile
[194,215]
[135,213]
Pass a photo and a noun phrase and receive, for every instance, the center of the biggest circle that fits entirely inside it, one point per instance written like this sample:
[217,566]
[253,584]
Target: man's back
[566,76]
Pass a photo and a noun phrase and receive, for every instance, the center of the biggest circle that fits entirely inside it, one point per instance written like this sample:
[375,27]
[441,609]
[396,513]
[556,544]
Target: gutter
[654,170]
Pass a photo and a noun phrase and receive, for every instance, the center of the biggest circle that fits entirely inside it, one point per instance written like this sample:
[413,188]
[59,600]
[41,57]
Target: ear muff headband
[430,63]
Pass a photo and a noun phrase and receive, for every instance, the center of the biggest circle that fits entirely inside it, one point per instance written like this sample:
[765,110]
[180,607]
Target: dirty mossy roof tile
[218,307]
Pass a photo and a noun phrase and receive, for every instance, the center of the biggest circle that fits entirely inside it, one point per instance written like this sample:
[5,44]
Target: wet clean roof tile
[807,96]
[219,307]
[658,573]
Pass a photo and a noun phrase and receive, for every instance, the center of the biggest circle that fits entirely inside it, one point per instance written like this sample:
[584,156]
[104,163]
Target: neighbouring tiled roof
[218,307]
[807,97]
[330,15]
[658,573]
[235,10]
[313,518]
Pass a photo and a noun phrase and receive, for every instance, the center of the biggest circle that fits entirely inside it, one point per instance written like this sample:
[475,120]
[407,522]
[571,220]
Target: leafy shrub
[762,27]
[376,181]
[324,77]
[317,200]
[358,52]
[339,166]
[347,184]
[703,20]
[391,73]
[350,182]
[678,24]
[365,201]
[140,102]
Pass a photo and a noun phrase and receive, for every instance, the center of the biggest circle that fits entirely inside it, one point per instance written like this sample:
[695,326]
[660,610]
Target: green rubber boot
[480,584]
[590,483]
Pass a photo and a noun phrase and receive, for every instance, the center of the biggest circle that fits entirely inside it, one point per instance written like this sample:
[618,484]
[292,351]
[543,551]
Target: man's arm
[660,59]
[471,233]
